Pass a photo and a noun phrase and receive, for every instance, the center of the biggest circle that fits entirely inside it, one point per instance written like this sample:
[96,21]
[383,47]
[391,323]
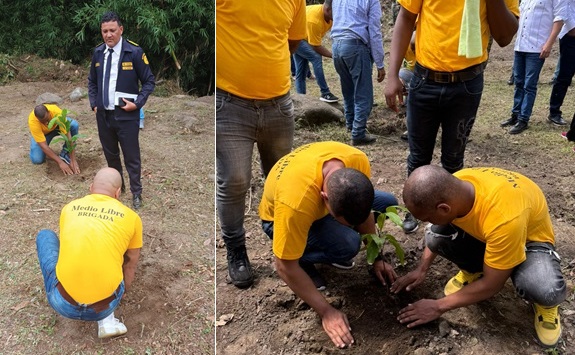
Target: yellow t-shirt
[316,25]
[291,197]
[39,130]
[437,32]
[252,52]
[95,232]
[509,210]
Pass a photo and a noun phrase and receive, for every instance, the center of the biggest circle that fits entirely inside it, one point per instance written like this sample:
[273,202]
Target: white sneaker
[110,326]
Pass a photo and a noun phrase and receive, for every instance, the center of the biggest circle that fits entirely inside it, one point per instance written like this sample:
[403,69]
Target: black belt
[97,306]
[450,77]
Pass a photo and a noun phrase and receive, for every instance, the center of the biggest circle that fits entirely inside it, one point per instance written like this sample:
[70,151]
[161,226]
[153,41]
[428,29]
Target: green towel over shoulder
[470,44]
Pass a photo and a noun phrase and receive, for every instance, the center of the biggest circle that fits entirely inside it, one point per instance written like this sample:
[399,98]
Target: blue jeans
[352,61]
[566,66]
[453,106]
[239,124]
[304,55]
[37,156]
[329,241]
[48,248]
[538,279]
[526,69]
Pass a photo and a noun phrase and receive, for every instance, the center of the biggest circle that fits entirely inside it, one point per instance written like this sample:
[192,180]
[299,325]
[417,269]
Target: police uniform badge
[145,59]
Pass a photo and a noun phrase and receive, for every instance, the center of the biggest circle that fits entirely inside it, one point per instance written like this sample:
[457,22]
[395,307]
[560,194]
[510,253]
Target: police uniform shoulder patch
[134,43]
[145,59]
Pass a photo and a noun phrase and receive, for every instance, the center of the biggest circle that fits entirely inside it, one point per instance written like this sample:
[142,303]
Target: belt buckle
[444,78]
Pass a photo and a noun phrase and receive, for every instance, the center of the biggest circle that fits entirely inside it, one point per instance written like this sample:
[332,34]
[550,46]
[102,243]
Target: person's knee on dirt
[41,136]
[501,228]
[87,269]
[316,203]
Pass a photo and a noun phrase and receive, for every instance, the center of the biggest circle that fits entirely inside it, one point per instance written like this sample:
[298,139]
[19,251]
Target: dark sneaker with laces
[314,275]
[367,139]
[65,156]
[329,97]
[557,120]
[519,127]
[239,268]
[511,121]
[345,265]
[410,224]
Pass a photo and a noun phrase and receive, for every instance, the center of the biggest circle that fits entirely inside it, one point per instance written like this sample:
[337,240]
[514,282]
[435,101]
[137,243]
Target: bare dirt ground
[170,308]
[269,319]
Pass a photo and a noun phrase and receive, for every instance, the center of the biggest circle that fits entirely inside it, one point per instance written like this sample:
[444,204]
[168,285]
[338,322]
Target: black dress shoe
[557,120]
[367,139]
[511,121]
[519,127]
[137,201]
[511,80]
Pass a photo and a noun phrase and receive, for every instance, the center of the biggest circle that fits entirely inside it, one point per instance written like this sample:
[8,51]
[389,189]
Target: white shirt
[569,22]
[113,72]
[536,22]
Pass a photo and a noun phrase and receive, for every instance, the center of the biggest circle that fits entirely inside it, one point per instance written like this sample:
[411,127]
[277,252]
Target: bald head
[107,182]
[428,186]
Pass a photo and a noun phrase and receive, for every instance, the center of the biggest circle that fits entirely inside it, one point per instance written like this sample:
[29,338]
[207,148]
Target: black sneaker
[367,139]
[511,121]
[511,80]
[519,127]
[65,156]
[410,224]
[239,268]
[137,201]
[329,97]
[557,120]
[314,275]
[344,265]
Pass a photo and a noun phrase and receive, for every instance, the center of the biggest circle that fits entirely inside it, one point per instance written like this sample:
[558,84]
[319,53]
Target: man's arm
[415,277]
[546,50]
[50,154]
[401,38]
[426,310]
[131,258]
[321,50]
[502,23]
[334,322]
[93,83]
[293,44]
[146,78]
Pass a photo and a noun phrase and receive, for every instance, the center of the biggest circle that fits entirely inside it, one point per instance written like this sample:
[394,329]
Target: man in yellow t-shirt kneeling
[494,224]
[89,267]
[41,136]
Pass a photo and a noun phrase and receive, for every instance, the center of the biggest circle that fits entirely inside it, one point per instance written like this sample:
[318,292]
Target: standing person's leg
[109,140]
[456,123]
[518,92]
[301,67]
[540,281]
[236,126]
[564,78]
[275,131]
[361,70]
[533,65]
[340,50]
[306,51]
[128,136]
[423,105]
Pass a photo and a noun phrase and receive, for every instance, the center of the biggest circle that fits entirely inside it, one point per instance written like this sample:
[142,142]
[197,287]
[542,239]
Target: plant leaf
[399,252]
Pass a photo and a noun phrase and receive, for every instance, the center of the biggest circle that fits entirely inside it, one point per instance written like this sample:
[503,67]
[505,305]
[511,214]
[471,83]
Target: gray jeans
[241,123]
[538,279]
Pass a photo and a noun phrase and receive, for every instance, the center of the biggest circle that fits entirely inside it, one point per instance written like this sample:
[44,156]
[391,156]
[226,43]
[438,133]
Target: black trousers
[115,134]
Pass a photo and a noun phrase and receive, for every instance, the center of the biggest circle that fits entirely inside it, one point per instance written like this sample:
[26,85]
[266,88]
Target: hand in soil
[384,272]
[336,325]
[420,312]
[408,282]
[65,168]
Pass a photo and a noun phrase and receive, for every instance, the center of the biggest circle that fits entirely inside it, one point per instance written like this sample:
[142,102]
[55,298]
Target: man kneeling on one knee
[89,267]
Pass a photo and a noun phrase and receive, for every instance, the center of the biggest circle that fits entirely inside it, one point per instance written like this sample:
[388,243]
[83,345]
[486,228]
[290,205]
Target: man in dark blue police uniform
[118,67]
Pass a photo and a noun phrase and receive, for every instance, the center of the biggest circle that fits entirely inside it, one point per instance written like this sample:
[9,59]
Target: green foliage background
[167,30]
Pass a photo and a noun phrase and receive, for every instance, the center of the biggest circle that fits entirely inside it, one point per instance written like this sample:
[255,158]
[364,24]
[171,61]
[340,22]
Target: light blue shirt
[359,19]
